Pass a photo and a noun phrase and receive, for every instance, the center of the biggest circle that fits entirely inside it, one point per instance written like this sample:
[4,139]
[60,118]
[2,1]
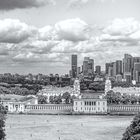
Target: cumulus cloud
[14,31]
[22,43]
[122,30]
[13,4]
[71,30]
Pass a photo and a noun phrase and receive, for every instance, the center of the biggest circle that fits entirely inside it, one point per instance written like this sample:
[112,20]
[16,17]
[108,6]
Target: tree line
[118,98]
[65,98]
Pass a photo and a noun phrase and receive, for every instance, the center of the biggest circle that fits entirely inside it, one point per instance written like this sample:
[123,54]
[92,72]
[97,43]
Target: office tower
[118,67]
[107,65]
[98,70]
[74,66]
[114,69]
[78,71]
[135,60]
[136,72]
[88,66]
[110,71]
[127,67]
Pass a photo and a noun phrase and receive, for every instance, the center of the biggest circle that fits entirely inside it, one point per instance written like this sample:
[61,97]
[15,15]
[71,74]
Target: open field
[53,127]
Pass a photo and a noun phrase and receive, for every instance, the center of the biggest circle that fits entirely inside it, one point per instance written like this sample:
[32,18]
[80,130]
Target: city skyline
[36,38]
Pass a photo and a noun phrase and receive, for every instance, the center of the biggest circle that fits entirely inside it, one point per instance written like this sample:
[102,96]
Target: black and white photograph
[69,69]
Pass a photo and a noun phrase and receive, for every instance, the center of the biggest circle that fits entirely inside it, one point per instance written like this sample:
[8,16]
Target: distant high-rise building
[88,66]
[107,65]
[118,67]
[127,67]
[98,70]
[110,71]
[114,69]
[136,72]
[74,65]
[78,71]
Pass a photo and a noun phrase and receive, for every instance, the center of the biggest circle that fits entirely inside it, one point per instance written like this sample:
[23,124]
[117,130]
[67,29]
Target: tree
[42,99]
[67,97]
[126,99]
[113,98]
[2,122]
[51,99]
[132,132]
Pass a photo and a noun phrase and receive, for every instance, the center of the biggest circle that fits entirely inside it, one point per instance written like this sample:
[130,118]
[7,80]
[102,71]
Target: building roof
[92,92]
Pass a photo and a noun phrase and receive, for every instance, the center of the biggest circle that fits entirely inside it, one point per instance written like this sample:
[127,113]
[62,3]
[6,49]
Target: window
[89,103]
[98,103]
[81,108]
[94,103]
[76,108]
[103,103]
[85,103]
[75,103]
[81,103]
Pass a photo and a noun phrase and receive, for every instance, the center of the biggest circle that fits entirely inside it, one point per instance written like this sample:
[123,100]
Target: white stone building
[17,106]
[123,90]
[56,91]
[90,103]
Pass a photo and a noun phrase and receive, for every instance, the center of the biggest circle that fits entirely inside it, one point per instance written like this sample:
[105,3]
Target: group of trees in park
[124,84]
[133,131]
[117,98]
[2,122]
[20,90]
[66,98]
[96,86]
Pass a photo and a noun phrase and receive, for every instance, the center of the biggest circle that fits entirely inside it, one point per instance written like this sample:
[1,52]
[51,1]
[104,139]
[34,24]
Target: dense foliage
[117,98]
[2,122]
[20,90]
[59,99]
[133,131]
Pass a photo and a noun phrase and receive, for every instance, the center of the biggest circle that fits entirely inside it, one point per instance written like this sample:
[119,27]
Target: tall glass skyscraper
[74,66]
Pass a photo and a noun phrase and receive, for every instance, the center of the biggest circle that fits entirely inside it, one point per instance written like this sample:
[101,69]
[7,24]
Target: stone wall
[123,109]
[49,109]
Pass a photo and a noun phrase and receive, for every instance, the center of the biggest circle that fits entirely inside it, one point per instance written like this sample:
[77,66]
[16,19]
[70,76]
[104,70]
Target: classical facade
[90,103]
[107,86]
[14,106]
[56,91]
[123,90]
[90,106]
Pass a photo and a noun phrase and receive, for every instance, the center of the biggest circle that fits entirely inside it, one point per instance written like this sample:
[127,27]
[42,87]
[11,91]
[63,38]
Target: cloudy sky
[39,36]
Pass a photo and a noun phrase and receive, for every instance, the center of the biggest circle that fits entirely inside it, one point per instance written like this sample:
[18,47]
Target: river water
[66,127]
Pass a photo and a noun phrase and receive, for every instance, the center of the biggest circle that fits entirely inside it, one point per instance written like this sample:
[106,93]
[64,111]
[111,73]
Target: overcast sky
[39,36]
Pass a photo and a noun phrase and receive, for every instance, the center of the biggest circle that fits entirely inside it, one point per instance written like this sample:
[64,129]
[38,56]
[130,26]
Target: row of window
[48,107]
[90,103]
[90,108]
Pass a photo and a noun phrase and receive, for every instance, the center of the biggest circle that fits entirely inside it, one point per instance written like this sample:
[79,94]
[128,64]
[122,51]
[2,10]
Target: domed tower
[76,87]
[108,85]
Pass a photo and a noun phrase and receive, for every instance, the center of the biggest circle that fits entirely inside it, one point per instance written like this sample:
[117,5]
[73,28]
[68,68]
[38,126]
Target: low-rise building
[90,104]
[17,106]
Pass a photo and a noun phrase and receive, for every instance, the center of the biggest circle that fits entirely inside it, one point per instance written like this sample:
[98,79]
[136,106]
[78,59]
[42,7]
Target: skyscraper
[98,70]
[136,72]
[107,65]
[74,66]
[88,66]
[118,67]
[127,67]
